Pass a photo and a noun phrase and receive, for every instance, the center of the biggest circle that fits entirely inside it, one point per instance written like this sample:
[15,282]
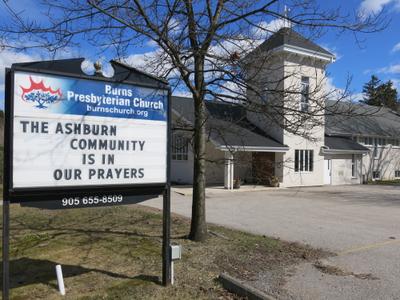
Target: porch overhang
[342,145]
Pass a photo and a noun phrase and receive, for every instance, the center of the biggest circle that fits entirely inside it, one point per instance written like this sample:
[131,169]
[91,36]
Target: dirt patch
[333,270]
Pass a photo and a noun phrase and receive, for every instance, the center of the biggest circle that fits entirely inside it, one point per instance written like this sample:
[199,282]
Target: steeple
[286,21]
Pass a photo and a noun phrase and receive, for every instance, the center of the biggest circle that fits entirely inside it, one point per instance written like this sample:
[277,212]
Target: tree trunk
[198,228]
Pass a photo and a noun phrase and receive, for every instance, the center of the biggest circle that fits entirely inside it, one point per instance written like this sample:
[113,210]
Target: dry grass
[115,253]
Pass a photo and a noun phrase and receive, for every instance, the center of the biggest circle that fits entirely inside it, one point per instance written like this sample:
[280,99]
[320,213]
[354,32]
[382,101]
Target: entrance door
[263,167]
[328,171]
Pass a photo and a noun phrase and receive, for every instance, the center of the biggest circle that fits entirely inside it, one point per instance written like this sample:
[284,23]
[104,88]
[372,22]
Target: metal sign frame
[52,193]
[47,196]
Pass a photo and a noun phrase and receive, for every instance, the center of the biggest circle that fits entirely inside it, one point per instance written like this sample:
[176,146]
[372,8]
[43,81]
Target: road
[361,224]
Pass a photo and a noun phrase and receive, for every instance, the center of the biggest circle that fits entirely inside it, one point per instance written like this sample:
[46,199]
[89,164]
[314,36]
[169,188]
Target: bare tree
[201,45]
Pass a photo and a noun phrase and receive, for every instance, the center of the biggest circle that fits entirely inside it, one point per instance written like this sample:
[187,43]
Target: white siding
[387,163]
[342,169]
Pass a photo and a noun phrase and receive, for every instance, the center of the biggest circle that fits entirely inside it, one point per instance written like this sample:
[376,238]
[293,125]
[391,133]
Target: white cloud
[329,83]
[265,29]
[357,97]
[155,62]
[174,26]
[243,44]
[7,58]
[332,91]
[151,43]
[368,7]
[396,84]
[182,93]
[339,94]
[392,69]
[396,47]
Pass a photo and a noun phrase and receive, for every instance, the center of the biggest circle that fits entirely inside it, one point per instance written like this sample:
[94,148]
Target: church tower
[286,98]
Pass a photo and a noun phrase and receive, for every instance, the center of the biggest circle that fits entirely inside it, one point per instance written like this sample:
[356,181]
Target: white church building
[246,146]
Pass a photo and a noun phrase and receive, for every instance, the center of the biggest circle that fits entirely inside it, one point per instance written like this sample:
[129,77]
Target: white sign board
[70,132]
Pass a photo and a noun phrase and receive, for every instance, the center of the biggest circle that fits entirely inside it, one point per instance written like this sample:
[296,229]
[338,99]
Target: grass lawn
[115,253]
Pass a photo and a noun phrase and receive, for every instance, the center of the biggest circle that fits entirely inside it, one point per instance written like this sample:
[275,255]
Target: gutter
[253,149]
[342,151]
[305,52]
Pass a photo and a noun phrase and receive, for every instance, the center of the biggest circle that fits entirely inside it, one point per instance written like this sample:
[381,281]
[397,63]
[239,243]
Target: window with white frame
[376,174]
[382,142]
[305,91]
[303,160]
[354,166]
[180,147]
[394,142]
[397,173]
[368,141]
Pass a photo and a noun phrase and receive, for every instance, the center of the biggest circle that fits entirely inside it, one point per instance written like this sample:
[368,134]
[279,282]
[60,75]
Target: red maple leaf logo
[40,94]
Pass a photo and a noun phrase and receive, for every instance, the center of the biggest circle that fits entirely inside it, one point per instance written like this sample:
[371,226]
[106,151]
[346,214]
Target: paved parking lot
[359,223]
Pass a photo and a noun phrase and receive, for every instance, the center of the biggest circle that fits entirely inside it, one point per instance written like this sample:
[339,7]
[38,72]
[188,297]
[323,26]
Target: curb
[240,288]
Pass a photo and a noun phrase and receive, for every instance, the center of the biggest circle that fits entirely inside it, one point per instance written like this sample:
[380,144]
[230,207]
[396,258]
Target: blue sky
[378,53]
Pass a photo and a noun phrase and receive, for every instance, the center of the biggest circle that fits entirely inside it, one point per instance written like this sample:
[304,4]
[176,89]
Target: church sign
[85,142]
[76,140]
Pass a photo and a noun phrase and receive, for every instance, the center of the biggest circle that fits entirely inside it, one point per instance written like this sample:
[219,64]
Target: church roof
[288,37]
[227,125]
[350,119]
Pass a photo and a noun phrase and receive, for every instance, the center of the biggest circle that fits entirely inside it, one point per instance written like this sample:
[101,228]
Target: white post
[232,171]
[228,174]
[60,280]
[361,170]
[172,272]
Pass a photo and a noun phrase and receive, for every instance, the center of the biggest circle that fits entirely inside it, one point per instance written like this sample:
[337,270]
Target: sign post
[6,200]
[74,140]
[166,267]
[5,254]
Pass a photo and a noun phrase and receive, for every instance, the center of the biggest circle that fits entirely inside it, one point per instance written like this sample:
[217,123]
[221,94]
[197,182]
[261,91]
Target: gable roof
[348,119]
[287,36]
[227,126]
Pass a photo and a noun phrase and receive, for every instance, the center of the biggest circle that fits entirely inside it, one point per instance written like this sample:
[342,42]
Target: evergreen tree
[380,94]
[388,95]
[370,91]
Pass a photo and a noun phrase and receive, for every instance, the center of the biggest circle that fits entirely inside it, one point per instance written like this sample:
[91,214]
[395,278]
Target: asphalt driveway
[359,223]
